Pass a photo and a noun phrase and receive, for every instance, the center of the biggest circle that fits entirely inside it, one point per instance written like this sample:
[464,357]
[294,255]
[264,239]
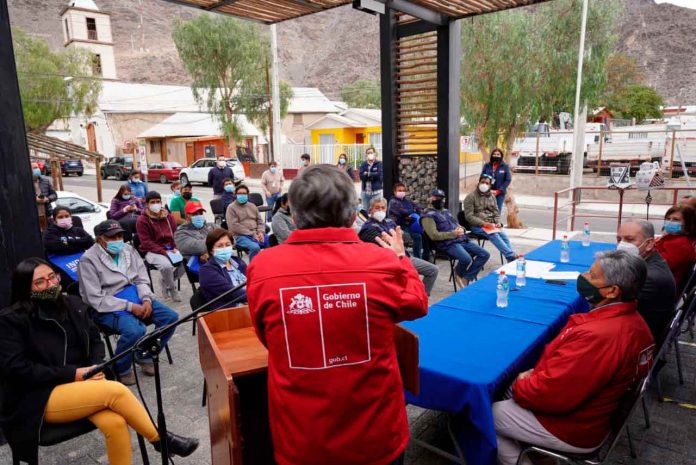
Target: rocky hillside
[332,48]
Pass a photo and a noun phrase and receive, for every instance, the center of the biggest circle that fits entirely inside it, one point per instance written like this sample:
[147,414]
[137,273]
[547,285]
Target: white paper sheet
[572,275]
[535,269]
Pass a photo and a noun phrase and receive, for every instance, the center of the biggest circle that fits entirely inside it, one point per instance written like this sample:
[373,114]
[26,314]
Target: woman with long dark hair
[677,243]
[47,344]
[126,208]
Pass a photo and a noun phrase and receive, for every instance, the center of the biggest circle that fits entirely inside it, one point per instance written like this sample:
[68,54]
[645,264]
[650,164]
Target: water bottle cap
[587,224]
[502,272]
[565,236]
[520,255]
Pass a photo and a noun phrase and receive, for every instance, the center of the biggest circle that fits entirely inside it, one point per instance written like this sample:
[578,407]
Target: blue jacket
[215,281]
[227,199]
[371,174]
[400,210]
[445,222]
[384,226]
[139,189]
[501,178]
[216,178]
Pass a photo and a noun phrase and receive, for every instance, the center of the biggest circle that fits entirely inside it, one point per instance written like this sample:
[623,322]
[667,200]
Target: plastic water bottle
[586,235]
[565,250]
[521,271]
[502,290]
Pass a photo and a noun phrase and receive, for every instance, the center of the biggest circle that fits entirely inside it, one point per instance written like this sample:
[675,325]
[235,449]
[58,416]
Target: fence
[324,153]
[670,197]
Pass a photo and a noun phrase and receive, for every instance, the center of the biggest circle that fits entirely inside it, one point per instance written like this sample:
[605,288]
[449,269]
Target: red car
[164,172]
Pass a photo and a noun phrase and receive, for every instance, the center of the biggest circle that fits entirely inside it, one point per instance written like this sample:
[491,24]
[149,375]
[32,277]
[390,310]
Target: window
[155,146]
[375,139]
[96,65]
[67,29]
[92,29]
[297,119]
[76,205]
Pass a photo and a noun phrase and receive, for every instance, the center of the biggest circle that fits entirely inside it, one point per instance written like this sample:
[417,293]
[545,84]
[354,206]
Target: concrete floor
[670,441]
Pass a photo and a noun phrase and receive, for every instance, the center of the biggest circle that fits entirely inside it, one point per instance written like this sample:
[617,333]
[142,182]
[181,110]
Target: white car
[91,213]
[198,171]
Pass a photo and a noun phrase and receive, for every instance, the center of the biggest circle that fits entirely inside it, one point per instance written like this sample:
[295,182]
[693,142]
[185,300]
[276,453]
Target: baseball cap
[437,193]
[108,228]
[192,207]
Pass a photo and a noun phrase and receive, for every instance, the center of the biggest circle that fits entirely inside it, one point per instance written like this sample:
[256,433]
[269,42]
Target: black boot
[178,445]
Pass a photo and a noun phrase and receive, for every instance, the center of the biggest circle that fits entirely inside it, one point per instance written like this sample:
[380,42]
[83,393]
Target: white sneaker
[175,295]
[461,282]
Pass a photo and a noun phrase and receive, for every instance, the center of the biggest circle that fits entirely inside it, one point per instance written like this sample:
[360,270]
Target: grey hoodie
[101,278]
[190,240]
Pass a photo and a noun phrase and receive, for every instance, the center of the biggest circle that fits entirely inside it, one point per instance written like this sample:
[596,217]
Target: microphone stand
[150,345]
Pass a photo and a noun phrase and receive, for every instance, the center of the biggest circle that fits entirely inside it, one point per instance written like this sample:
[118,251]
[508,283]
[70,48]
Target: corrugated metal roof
[310,100]
[194,125]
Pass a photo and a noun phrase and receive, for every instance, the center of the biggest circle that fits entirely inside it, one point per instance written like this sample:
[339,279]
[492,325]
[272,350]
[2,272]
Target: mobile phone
[555,281]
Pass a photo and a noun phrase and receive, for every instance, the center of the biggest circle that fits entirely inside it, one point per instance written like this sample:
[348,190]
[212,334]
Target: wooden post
[271,155]
[54,174]
[60,174]
[97,166]
[536,155]
[671,154]
[601,148]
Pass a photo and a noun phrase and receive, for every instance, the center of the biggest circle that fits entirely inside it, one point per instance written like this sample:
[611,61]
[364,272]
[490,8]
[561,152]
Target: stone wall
[420,176]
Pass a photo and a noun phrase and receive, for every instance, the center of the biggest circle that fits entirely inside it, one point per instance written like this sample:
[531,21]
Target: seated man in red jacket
[567,400]
[325,305]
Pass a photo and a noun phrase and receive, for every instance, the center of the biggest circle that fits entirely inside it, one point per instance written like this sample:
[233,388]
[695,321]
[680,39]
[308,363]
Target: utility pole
[275,82]
[271,125]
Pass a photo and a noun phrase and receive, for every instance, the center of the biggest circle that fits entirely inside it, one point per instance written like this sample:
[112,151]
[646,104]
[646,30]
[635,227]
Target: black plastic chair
[258,200]
[272,240]
[107,332]
[197,301]
[217,207]
[435,253]
[479,238]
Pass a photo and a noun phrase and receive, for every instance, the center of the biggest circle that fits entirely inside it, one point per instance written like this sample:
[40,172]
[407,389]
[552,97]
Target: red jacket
[325,305]
[585,371]
[156,234]
[678,251]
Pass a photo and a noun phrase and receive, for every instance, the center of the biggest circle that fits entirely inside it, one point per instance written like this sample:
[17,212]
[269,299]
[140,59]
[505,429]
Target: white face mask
[483,187]
[221,164]
[629,248]
[379,216]
[371,156]
[155,208]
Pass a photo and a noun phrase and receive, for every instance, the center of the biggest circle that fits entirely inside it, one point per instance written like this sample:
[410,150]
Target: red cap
[192,207]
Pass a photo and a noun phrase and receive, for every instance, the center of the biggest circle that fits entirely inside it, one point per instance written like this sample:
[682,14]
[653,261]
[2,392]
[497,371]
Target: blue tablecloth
[471,350]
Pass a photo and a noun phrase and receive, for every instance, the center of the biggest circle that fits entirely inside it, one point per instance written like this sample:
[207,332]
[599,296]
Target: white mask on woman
[483,187]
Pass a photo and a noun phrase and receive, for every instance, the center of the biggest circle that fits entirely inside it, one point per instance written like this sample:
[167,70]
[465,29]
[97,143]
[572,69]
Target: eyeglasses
[43,283]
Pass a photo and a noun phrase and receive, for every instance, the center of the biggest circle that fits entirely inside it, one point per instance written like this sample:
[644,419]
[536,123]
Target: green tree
[362,93]
[227,60]
[519,66]
[622,70]
[637,101]
[53,85]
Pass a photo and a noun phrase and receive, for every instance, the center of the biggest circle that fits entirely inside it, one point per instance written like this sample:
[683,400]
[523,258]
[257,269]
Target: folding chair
[258,200]
[435,253]
[479,238]
[216,206]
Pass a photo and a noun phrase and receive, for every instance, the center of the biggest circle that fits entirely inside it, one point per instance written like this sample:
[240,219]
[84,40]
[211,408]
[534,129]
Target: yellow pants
[112,408]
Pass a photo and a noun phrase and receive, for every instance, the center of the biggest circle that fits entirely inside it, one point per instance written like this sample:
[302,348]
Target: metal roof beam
[417,11]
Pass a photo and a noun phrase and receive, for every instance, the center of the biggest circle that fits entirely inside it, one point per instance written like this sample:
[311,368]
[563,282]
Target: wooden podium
[234,365]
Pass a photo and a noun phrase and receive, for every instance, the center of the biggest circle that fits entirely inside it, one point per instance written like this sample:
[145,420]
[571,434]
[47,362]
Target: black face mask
[438,204]
[187,195]
[496,158]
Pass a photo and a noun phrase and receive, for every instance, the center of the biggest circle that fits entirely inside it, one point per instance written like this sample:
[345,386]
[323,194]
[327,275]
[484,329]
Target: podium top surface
[241,352]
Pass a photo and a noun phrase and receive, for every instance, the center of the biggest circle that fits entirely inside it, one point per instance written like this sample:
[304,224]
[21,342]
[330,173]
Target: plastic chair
[197,301]
[217,207]
[107,332]
[258,200]
[435,253]
[479,238]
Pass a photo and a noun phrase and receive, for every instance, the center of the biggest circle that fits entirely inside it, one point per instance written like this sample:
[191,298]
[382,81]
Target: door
[189,153]
[360,138]
[326,148]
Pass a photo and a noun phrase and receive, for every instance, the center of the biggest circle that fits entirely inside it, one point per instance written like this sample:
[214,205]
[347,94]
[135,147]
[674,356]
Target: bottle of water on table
[502,290]
[521,271]
[586,235]
[565,250]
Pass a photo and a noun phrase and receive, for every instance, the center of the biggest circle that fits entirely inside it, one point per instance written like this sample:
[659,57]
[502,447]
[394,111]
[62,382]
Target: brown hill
[332,48]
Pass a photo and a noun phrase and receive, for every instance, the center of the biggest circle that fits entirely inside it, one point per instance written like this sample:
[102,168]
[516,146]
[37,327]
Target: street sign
[619,175]
[142,157]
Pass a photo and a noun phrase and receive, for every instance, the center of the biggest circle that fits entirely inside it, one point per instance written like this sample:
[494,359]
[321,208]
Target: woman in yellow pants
[47,344]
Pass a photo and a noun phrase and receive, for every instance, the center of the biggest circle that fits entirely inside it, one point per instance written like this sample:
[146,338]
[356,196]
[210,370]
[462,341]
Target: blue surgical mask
[198,221]
[242,198]
[672,227]
[36,172]
[222,255]
[126,196]
[341,161]
[136,180]
[177,193]
[114,247]
[229,188]
[273,169]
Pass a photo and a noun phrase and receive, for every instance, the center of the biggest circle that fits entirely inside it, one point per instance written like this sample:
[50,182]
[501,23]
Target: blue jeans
[500,200]
[417,241]
[468,267]
[249,244]
[499,240]
[270,201]
[130,329]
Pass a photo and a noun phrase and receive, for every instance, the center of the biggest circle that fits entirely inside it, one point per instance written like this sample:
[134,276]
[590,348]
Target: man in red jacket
[567,400]
[325,305]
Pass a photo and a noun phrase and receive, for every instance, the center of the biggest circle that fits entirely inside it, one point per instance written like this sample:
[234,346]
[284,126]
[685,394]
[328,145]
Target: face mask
[400,195]
[273,169]
[379,216]
[341,161]
[177,193]
[305,163]
[155,208]
[223,254]
[36,172]
[65,223]
[587,290]
[672,227]
[229,188]
[242,198]
[126,196]
[371,157]
[136,180]
[114,247]
[198,221]
[221,164]
[187,195]
[438,204]
[496,158]
[50,293]
[628,247]
[484,187]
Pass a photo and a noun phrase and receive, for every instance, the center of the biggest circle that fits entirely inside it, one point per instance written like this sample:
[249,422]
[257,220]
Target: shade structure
[275,11]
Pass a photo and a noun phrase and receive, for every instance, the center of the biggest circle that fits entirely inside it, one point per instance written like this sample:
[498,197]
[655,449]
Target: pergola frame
[401,123]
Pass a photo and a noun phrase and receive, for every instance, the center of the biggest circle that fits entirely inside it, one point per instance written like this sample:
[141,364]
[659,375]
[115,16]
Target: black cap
[108,228]
[437,193]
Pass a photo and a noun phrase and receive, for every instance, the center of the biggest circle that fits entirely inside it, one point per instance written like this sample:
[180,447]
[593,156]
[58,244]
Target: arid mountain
[335,47]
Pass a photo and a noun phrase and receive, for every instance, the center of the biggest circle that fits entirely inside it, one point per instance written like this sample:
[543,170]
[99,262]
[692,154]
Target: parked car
[117,167]
[69,167]
[91,213]
[198,171]
[164,172]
